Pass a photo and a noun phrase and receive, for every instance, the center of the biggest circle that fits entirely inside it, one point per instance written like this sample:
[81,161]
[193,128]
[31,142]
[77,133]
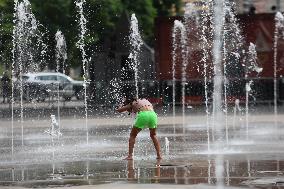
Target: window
[47,78]
[62,79]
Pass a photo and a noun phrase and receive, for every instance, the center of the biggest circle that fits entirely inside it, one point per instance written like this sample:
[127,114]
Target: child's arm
[124,108]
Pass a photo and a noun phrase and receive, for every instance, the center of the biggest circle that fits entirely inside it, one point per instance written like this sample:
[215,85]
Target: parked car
[49,84]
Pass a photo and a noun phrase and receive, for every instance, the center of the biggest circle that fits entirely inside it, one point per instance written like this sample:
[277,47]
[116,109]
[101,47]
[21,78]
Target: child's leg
[132,138]
[156,142]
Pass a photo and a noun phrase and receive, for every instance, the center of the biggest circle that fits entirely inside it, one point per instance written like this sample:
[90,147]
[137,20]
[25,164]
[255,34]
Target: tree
[6,28]
[101,16]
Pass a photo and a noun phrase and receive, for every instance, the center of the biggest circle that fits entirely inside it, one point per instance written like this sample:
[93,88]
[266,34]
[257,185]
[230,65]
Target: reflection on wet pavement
[238,173]
[257,162]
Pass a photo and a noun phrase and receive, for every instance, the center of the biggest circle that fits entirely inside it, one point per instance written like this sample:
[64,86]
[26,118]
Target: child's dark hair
[129,100]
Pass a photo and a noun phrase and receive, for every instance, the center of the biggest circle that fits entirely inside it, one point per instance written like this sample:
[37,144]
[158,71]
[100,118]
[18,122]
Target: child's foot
[128,158]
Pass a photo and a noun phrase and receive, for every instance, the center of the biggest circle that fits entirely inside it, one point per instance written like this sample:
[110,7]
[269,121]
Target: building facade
[256,28]
[259,6]
[250,6]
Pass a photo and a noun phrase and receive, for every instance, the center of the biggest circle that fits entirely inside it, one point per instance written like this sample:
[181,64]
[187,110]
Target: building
[259,6]
[256,28]
[249,6]
[197,3]
[246,6]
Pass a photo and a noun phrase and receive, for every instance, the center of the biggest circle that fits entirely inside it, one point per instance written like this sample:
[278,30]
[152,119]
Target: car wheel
[80,94]
[41,96]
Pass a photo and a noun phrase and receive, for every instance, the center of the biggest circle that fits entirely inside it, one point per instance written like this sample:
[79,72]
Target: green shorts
[146,119]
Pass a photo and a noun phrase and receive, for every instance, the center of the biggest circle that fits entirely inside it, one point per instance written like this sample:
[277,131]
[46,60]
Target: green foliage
[101,15]
[6,28]
[145,13]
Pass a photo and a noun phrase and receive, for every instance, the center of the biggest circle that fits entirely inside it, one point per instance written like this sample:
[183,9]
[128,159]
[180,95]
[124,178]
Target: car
[42,85]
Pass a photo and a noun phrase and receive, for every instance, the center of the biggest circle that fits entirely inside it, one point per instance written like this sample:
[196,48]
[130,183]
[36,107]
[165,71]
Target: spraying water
[53,131]
[251,66]
[232,44]
[167,146]
[209,171]
[236,110]
[248,90]
[217,93]
[61,51]
[180,34]
[81,45]
[135,47]
[25,31]
[174,59]
[13,86]
[115,91]
[190,22]
[179,47]
[279,32]
[61,57]
[232,48]
[227,46]
[206,45]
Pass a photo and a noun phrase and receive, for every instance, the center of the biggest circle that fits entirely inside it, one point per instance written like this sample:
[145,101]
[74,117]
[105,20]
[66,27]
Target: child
[145,118]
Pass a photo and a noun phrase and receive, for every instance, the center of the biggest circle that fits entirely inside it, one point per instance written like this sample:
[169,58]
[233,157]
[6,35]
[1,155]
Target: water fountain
[237,109]
[174,57]
[206,24]
[278,33]
[179,49]
[135,46]
[217,93]
[219,13]
[228,44]
[167,146]
[61,52]
[115,90]
[61,56]
[81,45]
[232,158]
[54,130]
[279,26]
[25,32]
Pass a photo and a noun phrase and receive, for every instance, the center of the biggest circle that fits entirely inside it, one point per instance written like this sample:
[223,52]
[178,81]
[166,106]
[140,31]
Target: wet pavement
[252,158]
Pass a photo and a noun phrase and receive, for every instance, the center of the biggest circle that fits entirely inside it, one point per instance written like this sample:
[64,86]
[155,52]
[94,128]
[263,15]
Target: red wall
[258,29]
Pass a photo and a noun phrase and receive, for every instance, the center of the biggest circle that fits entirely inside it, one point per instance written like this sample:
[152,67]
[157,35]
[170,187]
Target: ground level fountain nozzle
[54,128]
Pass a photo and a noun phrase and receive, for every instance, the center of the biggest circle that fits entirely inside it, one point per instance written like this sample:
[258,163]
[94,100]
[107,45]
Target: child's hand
[124,108]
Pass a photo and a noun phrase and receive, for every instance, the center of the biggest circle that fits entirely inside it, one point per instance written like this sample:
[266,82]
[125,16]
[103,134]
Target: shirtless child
[145,118]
